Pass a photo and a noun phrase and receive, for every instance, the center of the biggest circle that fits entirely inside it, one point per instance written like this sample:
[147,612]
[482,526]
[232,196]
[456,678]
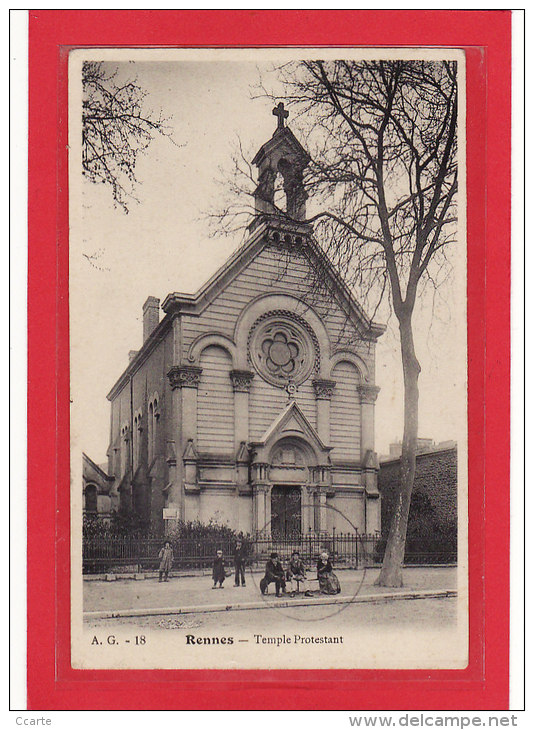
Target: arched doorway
[289,473]
[289,468]
[286,511]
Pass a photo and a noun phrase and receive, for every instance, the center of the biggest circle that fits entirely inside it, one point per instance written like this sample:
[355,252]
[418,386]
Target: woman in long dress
[328,582]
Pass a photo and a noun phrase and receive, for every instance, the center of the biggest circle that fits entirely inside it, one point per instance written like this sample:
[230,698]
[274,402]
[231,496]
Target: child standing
[166,557]
[219,573]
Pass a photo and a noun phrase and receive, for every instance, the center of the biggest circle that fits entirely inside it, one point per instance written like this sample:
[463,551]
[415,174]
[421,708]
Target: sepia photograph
[268,358]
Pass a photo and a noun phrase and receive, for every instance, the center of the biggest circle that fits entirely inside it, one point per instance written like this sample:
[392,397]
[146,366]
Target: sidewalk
[194,594]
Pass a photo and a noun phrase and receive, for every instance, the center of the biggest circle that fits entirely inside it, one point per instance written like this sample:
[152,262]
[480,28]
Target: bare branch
[116,128]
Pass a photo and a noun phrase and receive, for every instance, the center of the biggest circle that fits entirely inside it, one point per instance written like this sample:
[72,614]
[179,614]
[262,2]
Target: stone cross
[291,390]
[281,113]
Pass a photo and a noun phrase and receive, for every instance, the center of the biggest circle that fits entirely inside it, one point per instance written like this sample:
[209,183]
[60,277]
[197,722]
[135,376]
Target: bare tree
[116,128]
[383,181]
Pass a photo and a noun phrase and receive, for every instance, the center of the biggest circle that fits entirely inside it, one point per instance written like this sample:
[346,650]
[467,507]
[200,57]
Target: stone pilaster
[170,458]
[242,465]
[173,494]
[184,381]
[176,492]
[184,376]
[261,491]
[368,395]
[321,527]
[241,383]
[261,497]
[268,489]
[190,459]
[324,390]
[306,508]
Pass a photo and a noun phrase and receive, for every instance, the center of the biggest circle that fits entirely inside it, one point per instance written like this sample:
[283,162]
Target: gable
[269,266]
[94,473]
[291,423]
[279,263]
[282,142]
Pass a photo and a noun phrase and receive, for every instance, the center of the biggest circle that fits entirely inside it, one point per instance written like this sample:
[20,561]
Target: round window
[282,350]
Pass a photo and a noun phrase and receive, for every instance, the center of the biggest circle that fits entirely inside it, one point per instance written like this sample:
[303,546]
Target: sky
[165,244]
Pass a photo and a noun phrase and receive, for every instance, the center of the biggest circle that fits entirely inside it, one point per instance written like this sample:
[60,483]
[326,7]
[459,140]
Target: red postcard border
[52,683]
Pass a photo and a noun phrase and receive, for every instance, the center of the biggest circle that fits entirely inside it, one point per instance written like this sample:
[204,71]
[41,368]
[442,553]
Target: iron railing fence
[351,550]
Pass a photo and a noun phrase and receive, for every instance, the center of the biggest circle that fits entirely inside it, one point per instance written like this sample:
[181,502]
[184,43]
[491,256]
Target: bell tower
[282,154]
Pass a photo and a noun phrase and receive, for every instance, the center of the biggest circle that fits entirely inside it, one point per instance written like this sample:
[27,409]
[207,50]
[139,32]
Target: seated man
[274,573]
[296,571]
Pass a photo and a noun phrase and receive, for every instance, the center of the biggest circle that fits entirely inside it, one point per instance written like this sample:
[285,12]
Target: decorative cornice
[184,376]
[241,380]
[321,474]
[260,473]
[324,389]
[368,393]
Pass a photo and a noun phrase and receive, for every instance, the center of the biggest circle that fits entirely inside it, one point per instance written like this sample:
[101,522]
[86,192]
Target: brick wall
[435,477]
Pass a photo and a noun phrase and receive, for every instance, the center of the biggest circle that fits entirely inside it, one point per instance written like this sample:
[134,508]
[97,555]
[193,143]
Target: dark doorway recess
[285,511]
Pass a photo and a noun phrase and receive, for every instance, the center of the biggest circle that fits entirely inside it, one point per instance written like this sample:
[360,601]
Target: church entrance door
[285,512]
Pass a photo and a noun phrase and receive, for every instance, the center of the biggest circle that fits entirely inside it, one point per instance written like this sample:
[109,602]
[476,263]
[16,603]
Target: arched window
[155,428]
[91,499]
[345,413]
[215,404]
[136,439]
[150,433]
[125,449]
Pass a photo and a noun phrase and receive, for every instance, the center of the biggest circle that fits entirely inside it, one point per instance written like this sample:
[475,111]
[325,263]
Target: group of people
[219,570]
[166,557]
[294,573]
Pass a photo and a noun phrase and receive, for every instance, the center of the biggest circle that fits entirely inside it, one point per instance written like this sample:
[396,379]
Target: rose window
[282,350]
[281,353]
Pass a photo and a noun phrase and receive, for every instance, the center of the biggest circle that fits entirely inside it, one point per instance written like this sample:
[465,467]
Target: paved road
[181,592]
[423,613]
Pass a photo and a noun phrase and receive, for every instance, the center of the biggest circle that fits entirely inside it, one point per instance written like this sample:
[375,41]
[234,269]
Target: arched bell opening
[279,193]
[281,162]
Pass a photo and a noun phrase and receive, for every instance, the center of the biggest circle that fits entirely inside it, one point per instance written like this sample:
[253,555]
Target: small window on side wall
[91,499]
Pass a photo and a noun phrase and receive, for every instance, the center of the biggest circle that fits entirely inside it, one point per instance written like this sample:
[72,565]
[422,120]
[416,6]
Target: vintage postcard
[268,358]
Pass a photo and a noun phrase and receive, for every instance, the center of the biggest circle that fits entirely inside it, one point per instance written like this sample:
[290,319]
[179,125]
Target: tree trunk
[391,573]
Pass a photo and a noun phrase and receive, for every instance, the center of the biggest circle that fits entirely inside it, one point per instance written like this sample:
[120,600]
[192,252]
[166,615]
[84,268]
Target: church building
[251,402]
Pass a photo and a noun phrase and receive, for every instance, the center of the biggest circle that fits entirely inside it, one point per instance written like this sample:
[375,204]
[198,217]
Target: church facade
[251,402]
